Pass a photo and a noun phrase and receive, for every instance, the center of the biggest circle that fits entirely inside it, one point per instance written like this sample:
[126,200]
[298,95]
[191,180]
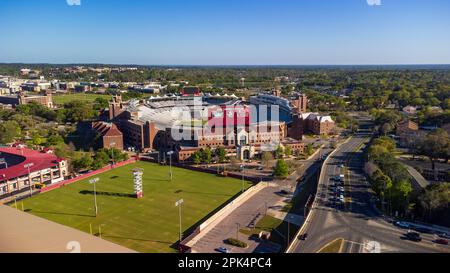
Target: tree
[221,154]
[9,130]
[288,151]
[77,111]
[266,158]
[435,145]
[206,155]
[83,163]
[309,149]
[101,158]
[281,169]
[54,139]
[279,153]
[381,183]
[197,158]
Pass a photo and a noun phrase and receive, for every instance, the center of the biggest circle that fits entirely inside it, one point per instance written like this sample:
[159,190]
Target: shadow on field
[114,194]
[59,213]
[205,193]
[136,239]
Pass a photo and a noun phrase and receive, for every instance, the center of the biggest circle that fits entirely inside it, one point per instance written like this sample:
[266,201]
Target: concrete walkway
[21,232]
[418,178]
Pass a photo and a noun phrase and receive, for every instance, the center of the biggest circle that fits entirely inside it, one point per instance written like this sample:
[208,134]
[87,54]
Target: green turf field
[150,224]
[61,99]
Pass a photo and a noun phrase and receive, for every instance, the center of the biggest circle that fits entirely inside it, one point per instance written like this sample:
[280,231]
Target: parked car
[441,242]
[402,224]
[414,236]
[303,237]
[223,250]
[443,235]
[423,230]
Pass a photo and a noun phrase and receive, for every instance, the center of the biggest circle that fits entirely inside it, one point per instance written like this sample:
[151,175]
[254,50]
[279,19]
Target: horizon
[226,33]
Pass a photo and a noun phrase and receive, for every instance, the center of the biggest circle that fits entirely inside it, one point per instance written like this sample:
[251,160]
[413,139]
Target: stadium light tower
[137,178]
[94,182]
[170,160]
[178,204]
[28,166]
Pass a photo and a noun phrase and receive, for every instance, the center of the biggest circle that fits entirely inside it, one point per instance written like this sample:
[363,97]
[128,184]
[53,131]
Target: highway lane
[358,223]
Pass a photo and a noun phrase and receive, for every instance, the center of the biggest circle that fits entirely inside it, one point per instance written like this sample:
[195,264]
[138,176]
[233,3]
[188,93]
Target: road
[358,222]
[253,210]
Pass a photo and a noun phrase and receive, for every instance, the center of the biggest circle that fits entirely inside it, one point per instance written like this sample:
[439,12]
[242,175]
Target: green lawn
[61,99]
[150,224]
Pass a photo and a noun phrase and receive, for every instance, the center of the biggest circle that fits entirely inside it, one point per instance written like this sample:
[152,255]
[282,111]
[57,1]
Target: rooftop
[23,157]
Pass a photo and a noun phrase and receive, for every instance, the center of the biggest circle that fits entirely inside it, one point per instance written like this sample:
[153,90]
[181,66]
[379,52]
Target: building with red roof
[21,165]
[109,136]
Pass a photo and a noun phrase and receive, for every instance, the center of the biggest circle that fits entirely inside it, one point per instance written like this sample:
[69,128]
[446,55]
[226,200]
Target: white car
[223,250]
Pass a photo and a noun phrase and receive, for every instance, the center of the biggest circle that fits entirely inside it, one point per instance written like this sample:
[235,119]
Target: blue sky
[226,32]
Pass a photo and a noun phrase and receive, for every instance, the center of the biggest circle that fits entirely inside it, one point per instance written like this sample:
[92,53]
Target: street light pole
[170,164]
[94,182]
[28,166]
[243,177]
[112,144]
[178,204]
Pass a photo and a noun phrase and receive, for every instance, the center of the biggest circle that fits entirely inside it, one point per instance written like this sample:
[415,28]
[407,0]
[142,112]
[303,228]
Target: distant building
[311,123]
[108,135]
[14,100]
[300,103]
[138,134]
[82,88]
[190,92]
[406,127]
[409,133]
[410,110]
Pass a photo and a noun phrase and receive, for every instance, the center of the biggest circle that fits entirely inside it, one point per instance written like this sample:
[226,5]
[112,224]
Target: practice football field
[61,99]
[150,224]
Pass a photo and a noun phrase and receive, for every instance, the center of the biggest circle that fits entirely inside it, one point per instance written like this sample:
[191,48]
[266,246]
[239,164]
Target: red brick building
[190,92]
[108,135]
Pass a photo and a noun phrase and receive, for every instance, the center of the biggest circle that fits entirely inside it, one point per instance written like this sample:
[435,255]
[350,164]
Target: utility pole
[243,178]
[112,144]
[170,164]
[178,204]
[94,182]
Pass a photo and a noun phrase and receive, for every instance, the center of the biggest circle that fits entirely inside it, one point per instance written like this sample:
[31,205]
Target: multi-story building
[311,123]
[300,103]
[108,135]
[14,100]
[406,127]
[22,168]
